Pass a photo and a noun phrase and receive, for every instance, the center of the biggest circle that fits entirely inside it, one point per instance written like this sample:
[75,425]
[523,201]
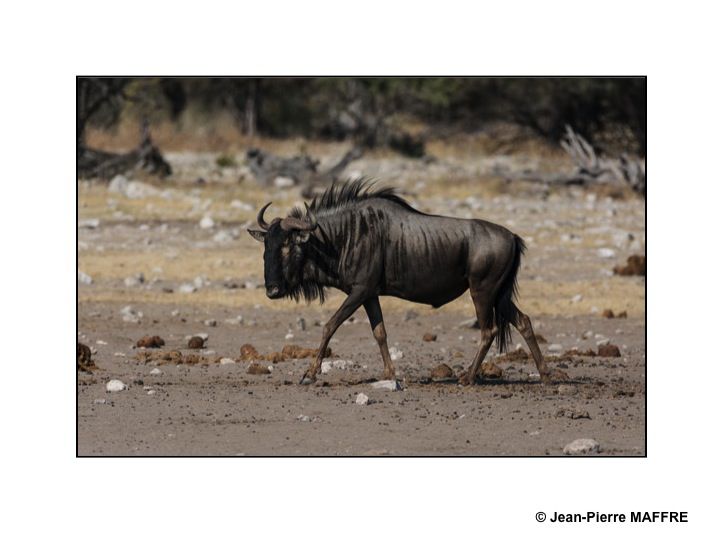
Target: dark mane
[339,196]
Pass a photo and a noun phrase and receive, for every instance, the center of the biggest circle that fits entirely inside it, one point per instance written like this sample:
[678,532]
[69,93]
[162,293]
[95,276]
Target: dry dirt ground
[575,237]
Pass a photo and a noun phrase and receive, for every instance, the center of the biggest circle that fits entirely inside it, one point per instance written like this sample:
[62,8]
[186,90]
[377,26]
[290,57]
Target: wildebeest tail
[505,310]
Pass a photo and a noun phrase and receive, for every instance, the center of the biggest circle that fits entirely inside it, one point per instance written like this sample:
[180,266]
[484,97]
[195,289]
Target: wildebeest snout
[272,291]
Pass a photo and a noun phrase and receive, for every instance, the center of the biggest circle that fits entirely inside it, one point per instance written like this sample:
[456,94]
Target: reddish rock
[636,266]
[429,337]
[257,369]
[608,314]
[196,342]
[150,342]
[609,350]
[490,371]
[443,371]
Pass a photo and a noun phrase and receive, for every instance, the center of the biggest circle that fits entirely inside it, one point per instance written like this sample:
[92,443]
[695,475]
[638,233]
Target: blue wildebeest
[370,243]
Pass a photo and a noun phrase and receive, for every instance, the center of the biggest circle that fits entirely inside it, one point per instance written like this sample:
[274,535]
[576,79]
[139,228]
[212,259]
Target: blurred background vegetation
[375,112]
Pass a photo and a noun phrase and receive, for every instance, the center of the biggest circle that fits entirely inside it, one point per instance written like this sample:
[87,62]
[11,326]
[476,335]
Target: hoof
[464,379]
[307,379]
[388,376]
[554,376]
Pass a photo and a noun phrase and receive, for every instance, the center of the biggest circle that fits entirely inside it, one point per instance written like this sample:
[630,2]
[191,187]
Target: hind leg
[488,331]
[524,326]
[374,313]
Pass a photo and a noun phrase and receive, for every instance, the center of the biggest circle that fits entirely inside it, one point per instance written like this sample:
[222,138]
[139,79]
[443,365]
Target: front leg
[354,300]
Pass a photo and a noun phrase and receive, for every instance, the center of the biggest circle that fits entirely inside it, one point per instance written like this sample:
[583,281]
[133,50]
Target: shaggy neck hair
[320,268]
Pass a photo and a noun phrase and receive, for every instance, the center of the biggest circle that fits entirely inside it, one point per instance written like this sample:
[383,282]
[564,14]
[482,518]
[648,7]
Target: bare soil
[575,239]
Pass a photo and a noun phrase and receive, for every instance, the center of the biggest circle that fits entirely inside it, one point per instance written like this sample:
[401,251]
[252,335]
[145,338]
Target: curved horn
[261,217]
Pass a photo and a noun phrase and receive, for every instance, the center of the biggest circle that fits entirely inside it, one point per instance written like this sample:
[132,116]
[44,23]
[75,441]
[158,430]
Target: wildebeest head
[285,244]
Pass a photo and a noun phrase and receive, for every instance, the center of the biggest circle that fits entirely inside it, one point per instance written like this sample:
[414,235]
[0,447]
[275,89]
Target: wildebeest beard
[318,260]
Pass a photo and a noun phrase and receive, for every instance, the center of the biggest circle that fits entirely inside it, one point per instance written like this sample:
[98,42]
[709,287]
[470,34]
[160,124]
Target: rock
[84,279]
[207,222]
[89,223]
[84,358]
[187,288]
[490,371]
[248,351]
[555,347]
[442,371]
[240,205]
[429,337]
[135,280]
[386,385]
[325,367]
[588,334]
[118,184]
[100,402]
[130,315]
[300,324]
[226,361]
[150,342]
[156,371]
[210,322]
[622,315]
[567,390]
[395,354]
[200,281]
[608,350]
[196,342]
[289,335]
[362,399]
[602,341]
[222,237]
[303,418]
[257,369]
[283,182]
[636,266]
[577,298]
[115,385]
[608,314]
[581,447]
[606,253]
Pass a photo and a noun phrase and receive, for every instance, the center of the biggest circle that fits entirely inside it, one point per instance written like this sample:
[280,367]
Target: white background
[47,492]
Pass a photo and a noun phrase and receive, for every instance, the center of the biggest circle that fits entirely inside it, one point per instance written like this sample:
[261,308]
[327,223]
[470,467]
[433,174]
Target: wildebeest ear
[302,236]
[257,235]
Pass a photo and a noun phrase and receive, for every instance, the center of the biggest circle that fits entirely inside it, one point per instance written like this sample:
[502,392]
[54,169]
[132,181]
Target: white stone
[100,402]
[84,279]
[151,392]
[606,253]
[240,205]
[581,446]
[588,334]
[118,184]
[130,315]
[187,288]
[89,223]
[325,367]
[135,280]
[115,385]
[395,354]
[226,361]
[577,298]
[386,385]
[207,222]
[362,399]
[603,341]
[201,281]
[222,237]
[341,364]
[289,335]
[555,347]
[156,371]
[284,182]
[303,417]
